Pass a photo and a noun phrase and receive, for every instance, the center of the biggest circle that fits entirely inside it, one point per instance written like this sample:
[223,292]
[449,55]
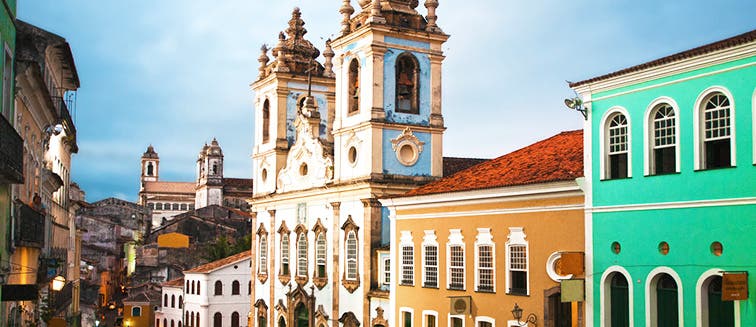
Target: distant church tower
[388,91]
[280,92]
[209,176]
[150,165]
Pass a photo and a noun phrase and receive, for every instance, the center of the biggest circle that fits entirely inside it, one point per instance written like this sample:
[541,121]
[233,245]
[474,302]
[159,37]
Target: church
[330,140]
[168,199]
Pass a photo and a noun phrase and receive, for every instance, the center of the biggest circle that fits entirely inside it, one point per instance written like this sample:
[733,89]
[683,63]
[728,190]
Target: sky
[176,73]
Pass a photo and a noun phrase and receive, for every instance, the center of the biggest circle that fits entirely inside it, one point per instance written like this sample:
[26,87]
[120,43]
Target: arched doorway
[720,313]
[301,316]
[619,298]
[666,301]
[281,322]
[217,320]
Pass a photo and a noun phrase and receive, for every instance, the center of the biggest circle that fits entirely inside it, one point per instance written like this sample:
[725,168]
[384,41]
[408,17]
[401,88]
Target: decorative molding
[407,138]
[307,151]
[320,281]
[348,227]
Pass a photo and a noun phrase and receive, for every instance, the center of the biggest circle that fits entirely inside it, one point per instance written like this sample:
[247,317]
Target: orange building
[470,247]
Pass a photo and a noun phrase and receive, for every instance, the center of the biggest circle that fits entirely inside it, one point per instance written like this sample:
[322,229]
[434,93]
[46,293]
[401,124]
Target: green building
[671,189]
[11,144]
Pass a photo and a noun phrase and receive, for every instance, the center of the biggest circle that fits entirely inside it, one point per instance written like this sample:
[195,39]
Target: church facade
[331,139]
[168,199]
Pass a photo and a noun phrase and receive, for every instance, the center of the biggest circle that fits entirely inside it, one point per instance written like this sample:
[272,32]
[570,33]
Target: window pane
[457,267]
[431,266]
[408,262]
[485,268]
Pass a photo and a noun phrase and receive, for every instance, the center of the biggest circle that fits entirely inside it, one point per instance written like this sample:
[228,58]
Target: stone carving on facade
[321,317]
[379,320]
[407,147]
[349,320]
[308,164]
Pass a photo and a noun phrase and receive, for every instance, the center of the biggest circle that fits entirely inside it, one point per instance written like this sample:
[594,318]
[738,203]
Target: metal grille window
[617,146]
[285,254]
[431,266]
[263,255]
[408,265]
[485,268]
[456,267]
[717,132]
[320,255]
[302,255]
[518,269]
[351,247]
[665,140]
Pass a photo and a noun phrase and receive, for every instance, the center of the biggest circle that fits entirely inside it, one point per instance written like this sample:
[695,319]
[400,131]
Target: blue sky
[176,73]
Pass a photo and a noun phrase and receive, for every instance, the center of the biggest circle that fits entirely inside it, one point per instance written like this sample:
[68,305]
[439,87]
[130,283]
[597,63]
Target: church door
[302,316]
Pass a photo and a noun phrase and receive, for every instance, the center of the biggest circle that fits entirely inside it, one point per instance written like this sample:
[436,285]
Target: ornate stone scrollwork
[407,147]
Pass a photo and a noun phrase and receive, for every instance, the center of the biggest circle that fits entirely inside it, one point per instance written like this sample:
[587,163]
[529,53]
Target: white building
[217,294]
[171,310]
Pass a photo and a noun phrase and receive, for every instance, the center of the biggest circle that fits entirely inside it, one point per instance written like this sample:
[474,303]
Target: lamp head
[517,312]
[58,282]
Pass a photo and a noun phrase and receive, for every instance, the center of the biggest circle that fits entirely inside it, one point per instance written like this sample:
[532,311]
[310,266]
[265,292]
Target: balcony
[11,154]
[30,227]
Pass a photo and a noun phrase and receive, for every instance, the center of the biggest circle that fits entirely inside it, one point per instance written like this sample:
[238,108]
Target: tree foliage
[224,247]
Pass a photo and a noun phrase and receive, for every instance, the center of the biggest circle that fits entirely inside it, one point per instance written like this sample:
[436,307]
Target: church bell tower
[150,165]
[209,176]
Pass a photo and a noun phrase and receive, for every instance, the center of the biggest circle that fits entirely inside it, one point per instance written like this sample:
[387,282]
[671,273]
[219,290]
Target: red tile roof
[178,282]
[704,49]
[238,182]
[170,187]
[452,165]
[210,267]
[558,158]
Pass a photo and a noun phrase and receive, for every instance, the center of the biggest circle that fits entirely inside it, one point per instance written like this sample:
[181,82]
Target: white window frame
[429,239]
[427,313]
[301,259]
[702,315]
[263,261]
[484,238]
[480,319]
[651,282]
[698,137]
[517,238]
[385,271]
[604,145]
[406,242]
[411,312]
[455,239]
[286,252]
[451,316]
[648,134]
[606,296]
[321,254]
[753,122]
[352,260]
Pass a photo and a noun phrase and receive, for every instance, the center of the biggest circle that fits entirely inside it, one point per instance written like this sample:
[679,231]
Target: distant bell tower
[150,165]
[388,91]
[209,176]
[280,92]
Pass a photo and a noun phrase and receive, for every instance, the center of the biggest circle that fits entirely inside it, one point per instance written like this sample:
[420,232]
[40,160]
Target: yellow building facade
[467,249]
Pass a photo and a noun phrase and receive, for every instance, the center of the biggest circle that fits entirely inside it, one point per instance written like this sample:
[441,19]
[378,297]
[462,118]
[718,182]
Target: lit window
[351,249]
[716,129]
[617,147]
[517,262]
[664,135]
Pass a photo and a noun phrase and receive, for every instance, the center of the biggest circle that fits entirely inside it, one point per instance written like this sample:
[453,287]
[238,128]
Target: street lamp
[517,314]
[58,282]
[576,104]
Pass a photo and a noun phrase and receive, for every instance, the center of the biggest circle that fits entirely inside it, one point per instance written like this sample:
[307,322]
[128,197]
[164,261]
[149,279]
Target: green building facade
[671,178]
[11,144]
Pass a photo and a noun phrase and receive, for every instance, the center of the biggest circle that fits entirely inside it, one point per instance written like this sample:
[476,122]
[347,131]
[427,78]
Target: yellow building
[138,310]
[470,247]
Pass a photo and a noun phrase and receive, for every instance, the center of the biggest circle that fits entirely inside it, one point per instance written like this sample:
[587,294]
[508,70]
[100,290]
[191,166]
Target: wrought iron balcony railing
[30,227]
[11,154]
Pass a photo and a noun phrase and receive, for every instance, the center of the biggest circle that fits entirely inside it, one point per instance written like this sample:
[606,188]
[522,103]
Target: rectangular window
[408,265]
[406,319]
[285,254]
[485,268]
[387,271]
[518,270]
[457,267]
[430,321]
[431,266]
[456,322]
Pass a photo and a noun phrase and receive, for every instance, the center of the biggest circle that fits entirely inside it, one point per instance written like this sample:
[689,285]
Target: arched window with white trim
[715,130]
[320,256]
[617,142]
[484,261]
[430,259]
[664,307]
[663,140]
[302,255]
[455,258]
[263,268]
[712,311]
[353,96]
[617,302]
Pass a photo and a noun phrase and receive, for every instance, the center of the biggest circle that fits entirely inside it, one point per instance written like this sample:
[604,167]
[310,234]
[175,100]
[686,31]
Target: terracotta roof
[178,282]
[557,158]
[238,182]
[704,49]
[169,187]
[452,165]
[210,267]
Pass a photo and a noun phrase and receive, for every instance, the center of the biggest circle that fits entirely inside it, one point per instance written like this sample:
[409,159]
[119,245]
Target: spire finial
[328,54]
[432,5]
[346,10]
[263,59]
[375,13]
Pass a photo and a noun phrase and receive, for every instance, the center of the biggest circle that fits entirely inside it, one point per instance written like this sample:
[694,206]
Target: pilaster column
[335,278]
[371,227]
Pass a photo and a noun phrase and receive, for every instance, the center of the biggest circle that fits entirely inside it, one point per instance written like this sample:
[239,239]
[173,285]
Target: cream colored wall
[547,232]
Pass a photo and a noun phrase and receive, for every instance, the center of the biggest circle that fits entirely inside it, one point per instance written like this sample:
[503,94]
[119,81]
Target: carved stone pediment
[308,163]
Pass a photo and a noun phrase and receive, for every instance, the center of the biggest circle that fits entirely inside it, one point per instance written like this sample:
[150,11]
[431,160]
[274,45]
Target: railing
[30,227]
[11,154]
[63,297]
[63,113]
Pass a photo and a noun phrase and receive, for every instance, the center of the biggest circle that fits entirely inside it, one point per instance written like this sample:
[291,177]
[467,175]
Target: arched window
[192,320]
[186,318]
[351,255]
[218,288]
[285,254]
[715,120]
[150,168]
[617,146]
[249,287]
[187,287]
[158,206]
[715,312]
[266,121]
[198,288]
[663,140]
[165,322]
[664,301]
[165,300]
[407,84]
[320,256]
[179,323]
[263,255]
[192,288]
[136,311]
[173,301]
[173,323]
[354,86]
[302,255]
[281,322]
[181,302]
[197,320]
[235,319]
[217,320]
[235,288]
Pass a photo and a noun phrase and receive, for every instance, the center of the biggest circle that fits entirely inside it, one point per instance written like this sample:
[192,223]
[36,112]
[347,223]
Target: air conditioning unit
[459,305]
